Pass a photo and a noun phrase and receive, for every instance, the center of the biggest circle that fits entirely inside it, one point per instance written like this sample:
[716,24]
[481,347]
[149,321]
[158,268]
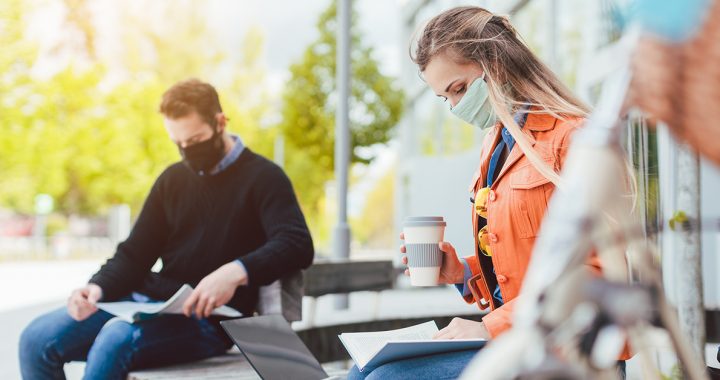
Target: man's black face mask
[203,156]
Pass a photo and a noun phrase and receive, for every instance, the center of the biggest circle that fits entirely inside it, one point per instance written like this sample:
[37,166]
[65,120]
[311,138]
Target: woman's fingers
[446,247]
[446,333]
[403,249]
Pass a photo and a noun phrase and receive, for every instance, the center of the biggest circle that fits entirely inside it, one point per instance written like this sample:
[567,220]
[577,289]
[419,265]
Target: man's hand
[215,290]
[81,303]
[452,270]
[463,329]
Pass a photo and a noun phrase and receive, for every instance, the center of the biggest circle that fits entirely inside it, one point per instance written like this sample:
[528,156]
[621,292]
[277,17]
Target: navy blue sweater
[195,224]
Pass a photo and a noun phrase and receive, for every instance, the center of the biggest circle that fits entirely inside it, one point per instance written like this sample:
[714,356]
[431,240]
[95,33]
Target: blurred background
[81,140]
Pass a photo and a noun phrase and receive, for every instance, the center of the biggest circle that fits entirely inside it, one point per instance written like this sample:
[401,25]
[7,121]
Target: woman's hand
[452,270]
[463,329]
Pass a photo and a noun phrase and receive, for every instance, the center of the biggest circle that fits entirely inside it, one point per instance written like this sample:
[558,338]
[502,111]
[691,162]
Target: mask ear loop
[481,77]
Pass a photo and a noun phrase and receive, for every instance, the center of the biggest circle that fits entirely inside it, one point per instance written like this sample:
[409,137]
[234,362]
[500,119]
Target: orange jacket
[517,202]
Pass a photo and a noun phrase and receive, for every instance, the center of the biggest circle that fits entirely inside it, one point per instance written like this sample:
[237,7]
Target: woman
[476,62]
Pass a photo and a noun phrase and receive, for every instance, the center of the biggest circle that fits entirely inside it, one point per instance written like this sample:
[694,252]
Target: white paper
[134,311]
[363,346]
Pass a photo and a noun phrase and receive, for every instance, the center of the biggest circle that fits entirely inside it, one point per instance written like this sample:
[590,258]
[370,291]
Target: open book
[372,349]
[137,311]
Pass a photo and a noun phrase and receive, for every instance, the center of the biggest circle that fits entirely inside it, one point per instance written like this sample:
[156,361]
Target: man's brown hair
[188,96]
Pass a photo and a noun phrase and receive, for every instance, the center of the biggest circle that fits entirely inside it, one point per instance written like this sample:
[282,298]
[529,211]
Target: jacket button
[493,238]
[483,301]
[492,195]
[501,279]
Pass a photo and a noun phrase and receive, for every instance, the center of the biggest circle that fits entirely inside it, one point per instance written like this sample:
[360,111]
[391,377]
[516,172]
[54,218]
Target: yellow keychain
[484,242]
[481,201]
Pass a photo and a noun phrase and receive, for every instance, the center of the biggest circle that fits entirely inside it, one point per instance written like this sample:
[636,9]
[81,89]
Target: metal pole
[341,234]
[691,311]
[408,148]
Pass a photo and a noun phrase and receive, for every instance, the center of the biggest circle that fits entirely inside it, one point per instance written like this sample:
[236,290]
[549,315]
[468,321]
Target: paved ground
[36,282]
[28,289]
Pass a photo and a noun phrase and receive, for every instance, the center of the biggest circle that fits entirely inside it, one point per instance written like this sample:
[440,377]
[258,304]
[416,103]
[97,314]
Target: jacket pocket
[530,191]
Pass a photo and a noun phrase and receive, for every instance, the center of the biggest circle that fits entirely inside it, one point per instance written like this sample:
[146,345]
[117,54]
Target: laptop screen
[273,349]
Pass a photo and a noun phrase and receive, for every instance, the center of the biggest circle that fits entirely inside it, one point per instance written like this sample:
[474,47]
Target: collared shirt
[231,156]
[508,141]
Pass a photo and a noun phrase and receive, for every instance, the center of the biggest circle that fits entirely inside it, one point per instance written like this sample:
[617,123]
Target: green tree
[308,110]
[16,61]
[90,144]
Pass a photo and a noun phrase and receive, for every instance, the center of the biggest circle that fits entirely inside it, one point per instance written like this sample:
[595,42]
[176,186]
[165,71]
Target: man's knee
[37,340]
[32,339]
[115,337]
[114,342]
[112,350]
[355,374]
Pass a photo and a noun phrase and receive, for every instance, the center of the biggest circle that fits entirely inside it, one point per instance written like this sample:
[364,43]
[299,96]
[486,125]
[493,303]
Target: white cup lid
[424,223]
[424,219]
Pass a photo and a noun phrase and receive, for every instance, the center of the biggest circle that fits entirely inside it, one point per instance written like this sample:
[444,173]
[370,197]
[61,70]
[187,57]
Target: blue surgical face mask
[474,107]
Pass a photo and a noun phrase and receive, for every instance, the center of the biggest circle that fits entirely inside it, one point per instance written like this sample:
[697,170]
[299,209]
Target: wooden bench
[229,366]
[322,278]
[344,277]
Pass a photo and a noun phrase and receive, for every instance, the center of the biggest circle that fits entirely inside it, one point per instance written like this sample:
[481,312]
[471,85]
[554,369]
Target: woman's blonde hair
[514,75]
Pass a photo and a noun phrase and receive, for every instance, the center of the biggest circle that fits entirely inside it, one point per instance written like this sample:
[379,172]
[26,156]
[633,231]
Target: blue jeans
[442,366]
[112,350]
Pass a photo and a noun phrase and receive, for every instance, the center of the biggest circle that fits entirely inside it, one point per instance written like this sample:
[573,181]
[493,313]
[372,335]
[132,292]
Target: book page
[126,310]
[174,305]
[363,346]
[134,311]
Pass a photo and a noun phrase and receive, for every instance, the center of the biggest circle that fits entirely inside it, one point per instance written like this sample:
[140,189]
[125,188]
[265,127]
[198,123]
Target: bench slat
[345,277]
[232,365]
[229,366]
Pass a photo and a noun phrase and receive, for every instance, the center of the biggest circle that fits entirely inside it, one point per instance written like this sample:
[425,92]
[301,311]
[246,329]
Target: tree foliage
[374,227]
[91,144]
[308,109]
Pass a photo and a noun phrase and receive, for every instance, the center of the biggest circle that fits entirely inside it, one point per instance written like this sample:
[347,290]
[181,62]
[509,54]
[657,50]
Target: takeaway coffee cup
[422,235]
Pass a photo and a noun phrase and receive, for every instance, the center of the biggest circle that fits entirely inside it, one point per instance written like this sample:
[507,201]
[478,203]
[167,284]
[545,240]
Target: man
[224,220]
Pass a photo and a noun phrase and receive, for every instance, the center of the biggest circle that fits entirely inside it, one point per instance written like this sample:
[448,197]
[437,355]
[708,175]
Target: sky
[290,25]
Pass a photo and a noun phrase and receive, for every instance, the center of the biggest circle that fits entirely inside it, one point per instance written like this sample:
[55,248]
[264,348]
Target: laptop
[273,349]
